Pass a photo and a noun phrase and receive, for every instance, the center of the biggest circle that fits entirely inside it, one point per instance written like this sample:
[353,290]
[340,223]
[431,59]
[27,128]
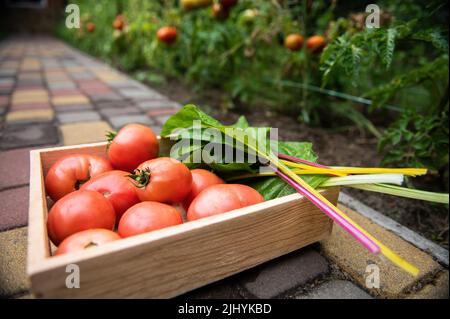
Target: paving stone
[66,92]
[140,94]
[115,111]
[162,119]
[438,289]
[105,97]
[156,129]
[353,259]
[112,104]
[337,289]
[73,117]
[13,248]
[14,167]
[30,116]
[163,111]
[61,85]
[157,104]
[81,133]
[31,106]
[118,121]
[285,273]
[29,99]
[14,208]
[23,135]
[4,101]
[73,107]
[70,99]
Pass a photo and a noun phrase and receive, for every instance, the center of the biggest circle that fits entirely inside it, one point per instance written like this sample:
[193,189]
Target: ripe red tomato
[148,216]
[86,239]
[294,42]
[67,174]
[201,179]
[132,145]
[77,211]
[221,198]
[118,24]
[90,27]
[117,187]
[167,34]
[316,43]
[162,179]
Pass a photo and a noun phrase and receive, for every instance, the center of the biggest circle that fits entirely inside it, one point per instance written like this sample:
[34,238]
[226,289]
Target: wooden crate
[171,261]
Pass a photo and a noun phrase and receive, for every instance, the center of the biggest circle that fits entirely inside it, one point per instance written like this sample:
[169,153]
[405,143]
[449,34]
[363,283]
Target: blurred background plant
[314,60]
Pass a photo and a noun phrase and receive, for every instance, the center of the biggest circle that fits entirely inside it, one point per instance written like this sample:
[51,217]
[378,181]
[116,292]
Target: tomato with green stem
[77,211]
[162,179]
[86,239]
[146,217]
[117,188]
[68,173]
[132,145]
[222,198]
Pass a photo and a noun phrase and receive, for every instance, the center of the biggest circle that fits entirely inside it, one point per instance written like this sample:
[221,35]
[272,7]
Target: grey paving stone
[337,289]
[112,104]
[105,97]
[157,104]
[82,116]
[140,94]
[82,76]
[118,121]
[115,111]
[73,107]
[23,135]
[61,85]
[161,119]
[285,273]
[156,129]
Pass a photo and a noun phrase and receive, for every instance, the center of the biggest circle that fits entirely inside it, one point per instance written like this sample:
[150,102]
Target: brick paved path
[51,94]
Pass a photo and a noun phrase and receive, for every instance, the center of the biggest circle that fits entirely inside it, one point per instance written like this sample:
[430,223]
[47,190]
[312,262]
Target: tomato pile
[98,200]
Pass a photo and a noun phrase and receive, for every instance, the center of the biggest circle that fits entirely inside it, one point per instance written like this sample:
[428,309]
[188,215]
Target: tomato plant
[148,216]
[162,179]
[222,198]
[117,188]
[70,172]
[86,239]
[132,145]
[77,211]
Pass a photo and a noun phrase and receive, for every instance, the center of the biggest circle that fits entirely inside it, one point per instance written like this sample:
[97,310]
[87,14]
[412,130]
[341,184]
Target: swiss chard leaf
[180,128]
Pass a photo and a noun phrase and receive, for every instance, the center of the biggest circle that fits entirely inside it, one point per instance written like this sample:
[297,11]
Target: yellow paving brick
[13,247]
[28,115]
[33,92]
[350,256]
[29,99]
[71,99]
[81,133]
